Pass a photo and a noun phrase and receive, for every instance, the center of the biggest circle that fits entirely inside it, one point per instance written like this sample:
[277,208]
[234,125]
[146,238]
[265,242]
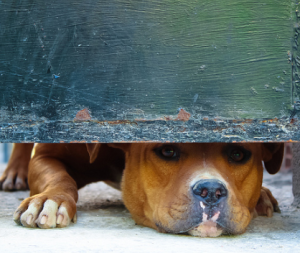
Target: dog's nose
[211,192]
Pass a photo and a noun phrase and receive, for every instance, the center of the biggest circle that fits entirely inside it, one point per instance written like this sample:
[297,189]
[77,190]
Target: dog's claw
[269,212]
[74,220]
[17,216]
[43,220]
[59,219]
[277,209]
[29,218]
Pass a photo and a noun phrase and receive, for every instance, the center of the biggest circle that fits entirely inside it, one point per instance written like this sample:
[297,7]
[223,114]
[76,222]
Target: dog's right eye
[167,152]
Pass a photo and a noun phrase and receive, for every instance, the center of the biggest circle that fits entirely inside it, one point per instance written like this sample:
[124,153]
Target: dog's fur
[201,189]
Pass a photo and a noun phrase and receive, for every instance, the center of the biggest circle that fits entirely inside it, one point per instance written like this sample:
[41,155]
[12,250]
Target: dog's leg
[266,204]
[15,175]
[53,196]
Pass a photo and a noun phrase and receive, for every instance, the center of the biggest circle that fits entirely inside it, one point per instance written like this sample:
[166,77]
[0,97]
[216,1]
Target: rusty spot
[84,141]
[290,140]
[270,120]
[117,122]
[293,121]
[83,115]
[168,118]
[183,115]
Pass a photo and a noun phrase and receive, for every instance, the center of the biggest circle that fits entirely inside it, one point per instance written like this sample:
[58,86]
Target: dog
[202,189]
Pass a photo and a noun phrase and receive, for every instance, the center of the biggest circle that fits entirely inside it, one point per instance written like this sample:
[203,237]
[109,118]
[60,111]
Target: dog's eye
[237,155]
[167,152]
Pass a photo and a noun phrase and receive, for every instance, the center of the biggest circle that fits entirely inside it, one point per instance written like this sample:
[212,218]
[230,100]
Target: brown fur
[157,192]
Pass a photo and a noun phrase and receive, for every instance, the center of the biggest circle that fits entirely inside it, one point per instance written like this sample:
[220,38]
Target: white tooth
[215,217]
[204,217]
[202,205]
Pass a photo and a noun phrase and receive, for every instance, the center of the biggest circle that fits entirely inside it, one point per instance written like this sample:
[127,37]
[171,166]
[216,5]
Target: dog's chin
[207,229]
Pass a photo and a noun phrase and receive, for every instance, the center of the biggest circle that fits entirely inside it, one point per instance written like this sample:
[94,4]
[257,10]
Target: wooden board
[165,70]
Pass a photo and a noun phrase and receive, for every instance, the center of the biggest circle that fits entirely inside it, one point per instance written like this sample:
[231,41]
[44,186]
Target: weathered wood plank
[138,62]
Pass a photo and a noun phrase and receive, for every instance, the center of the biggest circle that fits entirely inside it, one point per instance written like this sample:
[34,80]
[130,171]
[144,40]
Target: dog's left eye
[168,152]
[237,155]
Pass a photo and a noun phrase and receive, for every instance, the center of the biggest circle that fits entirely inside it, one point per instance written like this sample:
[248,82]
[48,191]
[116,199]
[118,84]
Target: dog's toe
[20,184]
[8,183]
[63,219]
[47,217]
[266,204]
[28,217]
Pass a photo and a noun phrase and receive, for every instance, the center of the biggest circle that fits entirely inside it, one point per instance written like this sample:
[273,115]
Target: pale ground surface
[104,225]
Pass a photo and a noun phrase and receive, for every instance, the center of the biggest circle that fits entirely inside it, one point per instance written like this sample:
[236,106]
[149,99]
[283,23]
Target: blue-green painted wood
[142,61]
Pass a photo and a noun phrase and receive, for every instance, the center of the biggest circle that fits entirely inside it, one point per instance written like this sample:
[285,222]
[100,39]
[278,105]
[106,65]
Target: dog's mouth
[208,227]
[208,221]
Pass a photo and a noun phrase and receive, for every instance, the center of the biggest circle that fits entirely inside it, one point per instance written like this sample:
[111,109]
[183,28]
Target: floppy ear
[272,156]
[93,150]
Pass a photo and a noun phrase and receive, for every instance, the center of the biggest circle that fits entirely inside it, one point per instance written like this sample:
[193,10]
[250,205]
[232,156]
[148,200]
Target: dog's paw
[14,177]
[266,204]
[46,211]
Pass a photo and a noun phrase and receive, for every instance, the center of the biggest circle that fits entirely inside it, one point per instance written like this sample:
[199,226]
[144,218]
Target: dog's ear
[123,146]
[93,150]
[272,156]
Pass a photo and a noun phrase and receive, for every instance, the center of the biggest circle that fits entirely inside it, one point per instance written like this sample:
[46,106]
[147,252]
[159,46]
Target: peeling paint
[160,130]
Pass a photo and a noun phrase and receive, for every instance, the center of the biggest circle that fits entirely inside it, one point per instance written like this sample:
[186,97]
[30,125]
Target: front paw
[46,211]
[266,204]
[14,177]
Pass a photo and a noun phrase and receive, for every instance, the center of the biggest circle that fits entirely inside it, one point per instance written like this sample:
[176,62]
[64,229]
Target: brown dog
[202,189]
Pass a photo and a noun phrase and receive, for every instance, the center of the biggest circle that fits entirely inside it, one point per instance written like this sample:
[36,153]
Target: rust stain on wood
[117,122]
[183,115]
[83,115]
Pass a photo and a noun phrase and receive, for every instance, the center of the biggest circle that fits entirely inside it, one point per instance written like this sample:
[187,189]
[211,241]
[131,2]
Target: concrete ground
[104,225]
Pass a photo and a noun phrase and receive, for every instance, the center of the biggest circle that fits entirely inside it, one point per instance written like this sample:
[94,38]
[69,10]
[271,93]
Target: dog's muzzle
[211,196]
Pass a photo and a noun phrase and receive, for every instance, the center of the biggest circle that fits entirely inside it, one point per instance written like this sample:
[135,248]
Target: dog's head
[202,189]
